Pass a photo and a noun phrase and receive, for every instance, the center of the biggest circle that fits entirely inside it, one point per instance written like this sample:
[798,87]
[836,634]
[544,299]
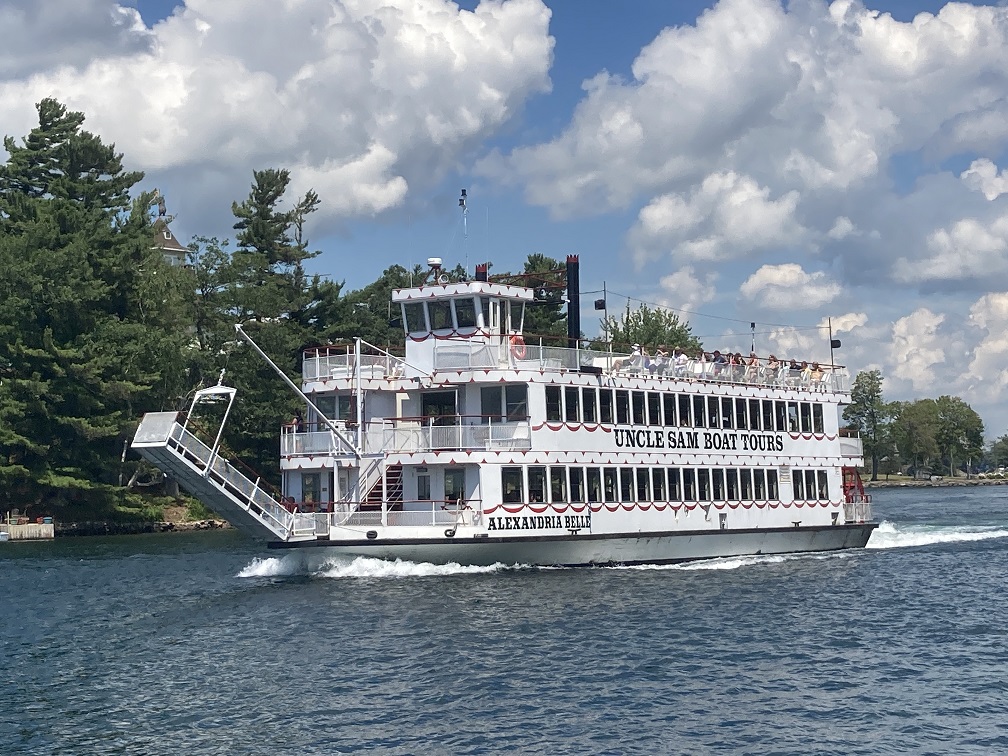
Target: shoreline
[74,529]
[939,483]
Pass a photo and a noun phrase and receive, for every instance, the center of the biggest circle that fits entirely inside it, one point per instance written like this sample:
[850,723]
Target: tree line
[923,437]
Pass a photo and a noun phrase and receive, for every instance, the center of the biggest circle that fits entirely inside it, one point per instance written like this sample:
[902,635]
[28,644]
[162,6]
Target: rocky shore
[895,482]
[64,529]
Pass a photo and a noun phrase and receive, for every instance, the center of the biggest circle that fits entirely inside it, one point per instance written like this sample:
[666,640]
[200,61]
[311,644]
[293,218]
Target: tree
[959,432]
[91,316]
[868,414]
[913,429]
[651,328]
[997,455]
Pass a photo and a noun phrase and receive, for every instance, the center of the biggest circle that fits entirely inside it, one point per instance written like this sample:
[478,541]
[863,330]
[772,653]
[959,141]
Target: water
[205,644]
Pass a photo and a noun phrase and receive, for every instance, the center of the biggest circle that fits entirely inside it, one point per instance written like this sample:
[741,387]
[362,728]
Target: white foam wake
[360,567]
[734,563]
[286,566]
[888,535]
[366,567]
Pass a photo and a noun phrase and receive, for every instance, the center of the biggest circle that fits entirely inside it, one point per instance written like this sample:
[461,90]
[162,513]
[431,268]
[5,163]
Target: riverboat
[482,445]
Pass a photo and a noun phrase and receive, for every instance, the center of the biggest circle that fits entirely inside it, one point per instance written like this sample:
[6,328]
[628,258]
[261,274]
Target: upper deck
[451,356]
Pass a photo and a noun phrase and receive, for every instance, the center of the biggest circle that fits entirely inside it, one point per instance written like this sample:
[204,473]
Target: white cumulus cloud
[982,176]
[916,348]
[789,287]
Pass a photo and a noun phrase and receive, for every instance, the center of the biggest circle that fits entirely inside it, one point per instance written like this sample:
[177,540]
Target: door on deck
[439,410]
[454,486]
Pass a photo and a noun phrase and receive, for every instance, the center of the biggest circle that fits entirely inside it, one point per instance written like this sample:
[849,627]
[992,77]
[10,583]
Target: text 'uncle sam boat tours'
[481,447]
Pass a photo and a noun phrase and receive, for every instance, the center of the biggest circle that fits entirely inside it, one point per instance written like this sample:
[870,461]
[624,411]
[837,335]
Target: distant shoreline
[939,483]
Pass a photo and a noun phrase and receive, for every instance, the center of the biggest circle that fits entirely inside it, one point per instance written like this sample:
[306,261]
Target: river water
[204,643]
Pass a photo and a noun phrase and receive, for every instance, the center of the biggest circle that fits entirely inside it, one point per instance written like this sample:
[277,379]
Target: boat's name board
[540,522]
[631,438]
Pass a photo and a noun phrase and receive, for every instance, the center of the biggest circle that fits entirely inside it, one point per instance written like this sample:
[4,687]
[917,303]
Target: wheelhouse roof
[471,288]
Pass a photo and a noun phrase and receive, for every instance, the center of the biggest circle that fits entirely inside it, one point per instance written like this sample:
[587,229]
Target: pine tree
[89,315]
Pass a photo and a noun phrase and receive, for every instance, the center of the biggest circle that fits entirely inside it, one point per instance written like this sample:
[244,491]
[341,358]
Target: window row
[620,406]
[561,484]
[461,312]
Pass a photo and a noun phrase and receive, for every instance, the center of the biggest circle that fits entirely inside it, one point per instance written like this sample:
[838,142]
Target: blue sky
[736,161]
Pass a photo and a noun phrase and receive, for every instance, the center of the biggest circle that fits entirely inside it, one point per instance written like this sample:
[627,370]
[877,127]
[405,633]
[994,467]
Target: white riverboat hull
[586,550]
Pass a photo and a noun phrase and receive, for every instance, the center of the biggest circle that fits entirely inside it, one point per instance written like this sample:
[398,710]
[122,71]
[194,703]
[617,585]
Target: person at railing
[720,364]
[680,361]
[773,367]
[816,375]
[659,365]
[297,423]
[752,368]
[806,373]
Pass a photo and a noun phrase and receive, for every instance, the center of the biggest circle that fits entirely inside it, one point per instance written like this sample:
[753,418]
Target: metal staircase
[216,482]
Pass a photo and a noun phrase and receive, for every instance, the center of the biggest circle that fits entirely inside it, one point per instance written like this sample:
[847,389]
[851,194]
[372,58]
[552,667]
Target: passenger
[816,376]
[659,365]
[720,364]
[752,368]
[681,361]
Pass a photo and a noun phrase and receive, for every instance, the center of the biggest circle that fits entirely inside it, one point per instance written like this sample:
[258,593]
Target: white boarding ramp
[161,440]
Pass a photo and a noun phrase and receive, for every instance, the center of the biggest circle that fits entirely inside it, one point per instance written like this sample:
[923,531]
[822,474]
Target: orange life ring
[518,347]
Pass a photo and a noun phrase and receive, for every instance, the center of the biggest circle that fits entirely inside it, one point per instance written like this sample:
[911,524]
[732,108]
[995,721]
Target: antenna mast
[465,229]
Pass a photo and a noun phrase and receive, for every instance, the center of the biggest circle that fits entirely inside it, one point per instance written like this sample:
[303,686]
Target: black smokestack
[573,301]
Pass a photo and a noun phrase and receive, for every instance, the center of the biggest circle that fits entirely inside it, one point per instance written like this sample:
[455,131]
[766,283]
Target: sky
[800,165]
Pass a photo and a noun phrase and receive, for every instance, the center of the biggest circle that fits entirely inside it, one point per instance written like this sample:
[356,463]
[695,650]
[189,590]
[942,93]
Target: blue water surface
[205,643]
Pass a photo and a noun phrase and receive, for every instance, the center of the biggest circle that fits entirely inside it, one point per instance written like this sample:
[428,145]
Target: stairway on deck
[394,478]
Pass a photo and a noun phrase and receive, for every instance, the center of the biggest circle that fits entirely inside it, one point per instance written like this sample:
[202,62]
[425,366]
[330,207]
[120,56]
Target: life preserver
[518,347]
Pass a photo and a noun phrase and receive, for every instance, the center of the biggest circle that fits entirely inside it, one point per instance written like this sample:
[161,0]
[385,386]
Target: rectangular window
[759,485]
[440,314]
[609,483]
[588,404]
[718,484]
[537,484]
[558,484]
[670,407]
[345,407]
[823,485]
[626,484]
[638,407]
[571,395]
[577,484]
[741,418]
[516,401]
[780,413]
[817,419]
[512,485]
[685,417]
[731,485]
[792,417]
[643,484]
[745,478]
[768,415]
[658,483]
[699,412]
[713,412]
[654,408]
[594,485]
[805,417]
[773,492]
[465,312]
[689,484]
[798,484]
[485,308]
[423,486]
[553,413]
[605,406]
[490,403]
[703,484]
[674,484]
[727,411]
[810,485]
[311,487]
[622,407]
[754,415]
[414,314]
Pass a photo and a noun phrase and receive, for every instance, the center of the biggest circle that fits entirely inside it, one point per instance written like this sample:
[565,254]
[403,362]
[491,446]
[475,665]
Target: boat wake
[360,567]
[734,563]
[888,535]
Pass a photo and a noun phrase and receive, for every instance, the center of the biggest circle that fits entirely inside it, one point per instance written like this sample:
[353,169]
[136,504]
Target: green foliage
[195,511]
[869,414]
[545,316]
[912,431]
[89,315]
[959,432]
[651,328]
